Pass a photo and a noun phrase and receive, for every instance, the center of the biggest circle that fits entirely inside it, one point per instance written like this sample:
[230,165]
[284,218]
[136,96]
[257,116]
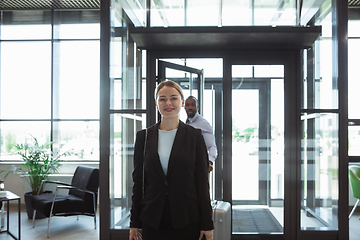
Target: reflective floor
[71,228]
[61,227]
[354,226]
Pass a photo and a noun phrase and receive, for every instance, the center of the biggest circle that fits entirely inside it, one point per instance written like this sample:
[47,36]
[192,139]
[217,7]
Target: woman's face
[169,102]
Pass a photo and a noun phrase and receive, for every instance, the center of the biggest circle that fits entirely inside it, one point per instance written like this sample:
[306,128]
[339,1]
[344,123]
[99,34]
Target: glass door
[257,149]
[190,79]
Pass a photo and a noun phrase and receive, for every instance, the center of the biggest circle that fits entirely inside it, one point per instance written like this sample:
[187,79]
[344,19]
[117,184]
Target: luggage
[222,220]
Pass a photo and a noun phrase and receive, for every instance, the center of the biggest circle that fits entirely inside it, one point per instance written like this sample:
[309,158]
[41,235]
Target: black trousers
[166,230]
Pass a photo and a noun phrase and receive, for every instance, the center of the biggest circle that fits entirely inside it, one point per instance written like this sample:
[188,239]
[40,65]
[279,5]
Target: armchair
[80,200]
[354,177]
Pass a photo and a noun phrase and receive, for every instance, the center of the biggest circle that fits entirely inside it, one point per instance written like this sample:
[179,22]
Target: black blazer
[186,183]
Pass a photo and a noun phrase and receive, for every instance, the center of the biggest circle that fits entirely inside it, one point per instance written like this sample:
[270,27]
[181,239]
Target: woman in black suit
[174,202]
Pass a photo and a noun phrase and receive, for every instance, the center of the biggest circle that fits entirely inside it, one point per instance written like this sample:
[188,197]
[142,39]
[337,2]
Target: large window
[354,98]
[127,109]
[320,134]
[49,81]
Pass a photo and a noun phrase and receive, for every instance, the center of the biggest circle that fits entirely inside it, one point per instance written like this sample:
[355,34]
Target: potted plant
[38,163]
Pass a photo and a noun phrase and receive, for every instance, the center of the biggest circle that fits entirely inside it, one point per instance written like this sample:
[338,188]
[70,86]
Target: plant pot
[29,209]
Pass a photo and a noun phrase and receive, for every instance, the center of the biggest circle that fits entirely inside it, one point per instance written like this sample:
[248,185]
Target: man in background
[197,121]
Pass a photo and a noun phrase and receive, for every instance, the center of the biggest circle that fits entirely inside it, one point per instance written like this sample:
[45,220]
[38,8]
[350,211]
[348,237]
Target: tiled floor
[354,227]
[70,228]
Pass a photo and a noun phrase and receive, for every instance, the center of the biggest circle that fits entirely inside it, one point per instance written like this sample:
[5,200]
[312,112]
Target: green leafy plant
[38,163]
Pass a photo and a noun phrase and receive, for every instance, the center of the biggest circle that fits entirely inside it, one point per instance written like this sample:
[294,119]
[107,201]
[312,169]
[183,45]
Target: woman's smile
[169,109]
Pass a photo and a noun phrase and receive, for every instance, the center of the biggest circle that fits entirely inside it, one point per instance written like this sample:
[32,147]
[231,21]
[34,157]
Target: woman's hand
[135,234]
[208,234]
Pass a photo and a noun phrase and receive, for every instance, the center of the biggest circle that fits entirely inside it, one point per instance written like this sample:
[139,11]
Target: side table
[11,197]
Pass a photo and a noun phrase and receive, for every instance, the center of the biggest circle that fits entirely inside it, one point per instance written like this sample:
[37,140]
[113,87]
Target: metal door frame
[292,153]
[263,85]
[291,59]
[162,65]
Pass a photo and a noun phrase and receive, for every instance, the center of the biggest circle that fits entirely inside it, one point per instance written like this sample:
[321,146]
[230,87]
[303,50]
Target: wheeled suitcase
[222,220]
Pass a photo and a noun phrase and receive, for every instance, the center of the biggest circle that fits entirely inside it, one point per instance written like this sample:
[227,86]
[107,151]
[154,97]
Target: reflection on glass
[257,148]
[319,171]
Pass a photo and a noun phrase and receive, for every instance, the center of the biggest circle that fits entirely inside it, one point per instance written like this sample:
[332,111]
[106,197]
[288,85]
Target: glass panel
[136,11]
[246,71]
[116,71]
[354,140]
[79,31]
[168,15]
[324,89]
[25,24]
[319,171]
[126,88]
[11,32]
[212,67]
[277,141]
[320,91]
[126,74]
[25,76]
[312,9]
[271,12]
[77,24]
[125,127]
[237,13]
[78,88]
[17,132]
[353,78]
[224,13]
[268,71]
[81,138]
[43,80]
[258,150]
[353,29]
[209,17]
[209,114]
[245,145]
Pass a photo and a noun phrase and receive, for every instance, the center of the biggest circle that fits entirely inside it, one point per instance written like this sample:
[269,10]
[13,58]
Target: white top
[166,140]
